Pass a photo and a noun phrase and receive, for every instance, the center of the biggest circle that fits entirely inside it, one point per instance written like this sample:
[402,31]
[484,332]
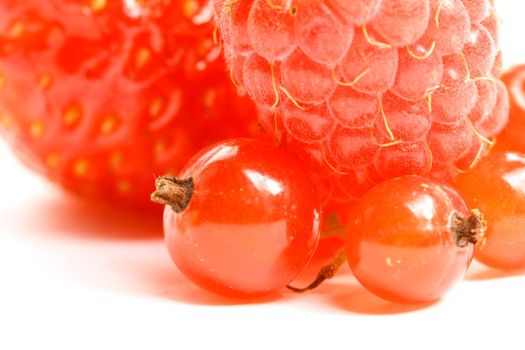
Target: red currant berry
[243,219]
[497,187]
[410,240]
[511,138]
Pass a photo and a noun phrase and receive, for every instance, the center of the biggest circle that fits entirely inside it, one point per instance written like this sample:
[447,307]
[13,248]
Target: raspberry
[372,89]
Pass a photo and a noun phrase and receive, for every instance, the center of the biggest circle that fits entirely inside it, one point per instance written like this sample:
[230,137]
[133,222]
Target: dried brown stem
[324,274]
[468,230]
[173,192]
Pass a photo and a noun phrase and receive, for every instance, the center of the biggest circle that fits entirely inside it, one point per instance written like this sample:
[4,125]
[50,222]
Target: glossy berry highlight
[242,218]
[410,240]
[496,186]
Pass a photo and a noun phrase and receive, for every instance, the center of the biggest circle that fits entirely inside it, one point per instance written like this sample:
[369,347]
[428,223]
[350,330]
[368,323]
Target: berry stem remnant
[324,274]
[173,192]
[468,229]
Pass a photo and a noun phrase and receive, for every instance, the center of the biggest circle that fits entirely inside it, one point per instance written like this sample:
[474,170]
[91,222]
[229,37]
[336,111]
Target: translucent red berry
[512,137]
[410,240]
[242,219]
[496,186]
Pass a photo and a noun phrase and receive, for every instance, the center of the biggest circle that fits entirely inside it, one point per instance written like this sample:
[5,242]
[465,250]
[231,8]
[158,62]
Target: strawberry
[101,96]
[368,90]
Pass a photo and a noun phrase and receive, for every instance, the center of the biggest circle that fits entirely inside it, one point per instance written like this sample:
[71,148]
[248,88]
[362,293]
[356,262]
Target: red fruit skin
[100,97]
[252,223]
[496,187]
[371,89]
[399,242]
[512,138]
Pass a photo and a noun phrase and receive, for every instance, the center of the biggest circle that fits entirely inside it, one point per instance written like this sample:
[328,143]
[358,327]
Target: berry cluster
[408,239]
[374,98]
[382,109]
[368,90]
[102,95]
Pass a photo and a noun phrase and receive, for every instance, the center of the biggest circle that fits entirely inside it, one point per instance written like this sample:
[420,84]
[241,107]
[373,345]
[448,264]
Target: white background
[75,278]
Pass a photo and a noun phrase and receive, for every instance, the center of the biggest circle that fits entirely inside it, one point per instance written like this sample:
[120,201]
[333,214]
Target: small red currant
[511,138]
[497,187]
[410,240]
[243,220]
